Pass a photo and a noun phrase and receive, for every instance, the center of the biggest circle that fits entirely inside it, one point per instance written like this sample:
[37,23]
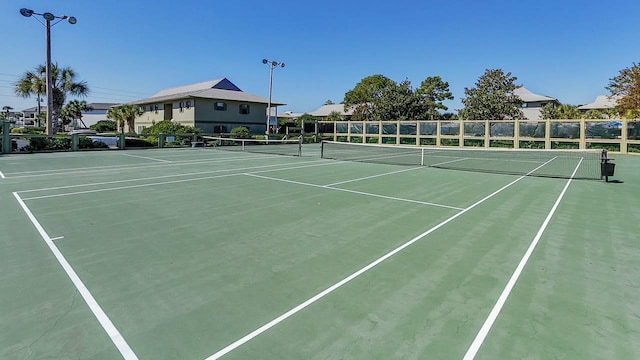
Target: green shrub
[103,126]
[170,127]
[133,143]
[240,132]
[34,130]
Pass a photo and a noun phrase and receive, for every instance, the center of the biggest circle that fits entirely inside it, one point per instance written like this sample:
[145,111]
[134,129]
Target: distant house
[602,102]
[324,111]
[212,106]
[89,117]
[533,103]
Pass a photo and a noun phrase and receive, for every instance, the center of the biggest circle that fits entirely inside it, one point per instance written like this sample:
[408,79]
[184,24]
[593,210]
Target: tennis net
[291,147]
[543,163]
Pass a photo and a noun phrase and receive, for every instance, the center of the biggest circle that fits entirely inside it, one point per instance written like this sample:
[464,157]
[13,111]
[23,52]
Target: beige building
[532,103]
[602,102]
[212,106]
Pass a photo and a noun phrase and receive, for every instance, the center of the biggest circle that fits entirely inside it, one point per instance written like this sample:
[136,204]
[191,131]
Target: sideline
[103,319]
[484,330]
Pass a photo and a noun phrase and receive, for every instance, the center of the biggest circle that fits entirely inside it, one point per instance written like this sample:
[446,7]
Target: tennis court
[206,253]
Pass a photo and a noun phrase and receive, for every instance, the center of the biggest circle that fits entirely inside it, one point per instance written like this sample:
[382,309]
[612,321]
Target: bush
[240,132]
[132,142]
[104,126]
[29,130]
[171,128]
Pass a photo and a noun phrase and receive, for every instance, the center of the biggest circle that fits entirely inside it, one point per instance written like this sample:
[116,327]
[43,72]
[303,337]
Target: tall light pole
[48,18]
[272,65]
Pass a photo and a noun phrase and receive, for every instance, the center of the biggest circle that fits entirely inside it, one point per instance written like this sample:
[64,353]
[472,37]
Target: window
[181,106]
[220,106]
[524,105]
[155,108]
[244,109]
[188,104]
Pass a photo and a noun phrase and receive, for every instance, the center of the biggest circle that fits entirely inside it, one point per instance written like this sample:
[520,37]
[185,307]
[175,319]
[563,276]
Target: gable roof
[528,96]
[601,102]
[325,110]
[219,89]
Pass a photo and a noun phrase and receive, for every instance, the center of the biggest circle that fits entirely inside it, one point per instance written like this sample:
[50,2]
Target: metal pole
[49,81]
[271,66]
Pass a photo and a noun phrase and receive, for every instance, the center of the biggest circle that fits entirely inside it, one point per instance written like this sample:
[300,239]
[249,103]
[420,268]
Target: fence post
[6,137]
[160,141]
[121,141]
[74,142]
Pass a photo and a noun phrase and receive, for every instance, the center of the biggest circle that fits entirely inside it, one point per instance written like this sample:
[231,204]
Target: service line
[344,281]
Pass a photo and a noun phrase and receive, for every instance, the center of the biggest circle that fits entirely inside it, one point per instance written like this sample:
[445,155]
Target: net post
[300,146]
[322,149]
[242,144]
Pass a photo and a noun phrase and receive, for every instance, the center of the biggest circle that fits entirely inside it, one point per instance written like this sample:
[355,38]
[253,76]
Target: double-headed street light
[48,18]
[272,65]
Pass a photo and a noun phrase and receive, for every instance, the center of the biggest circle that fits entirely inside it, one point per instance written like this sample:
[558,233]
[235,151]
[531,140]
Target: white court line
[152,184]
[373,176]
[117,339]
[123,167]
[342,282]
[486,327]
[57,238]
[146,157]
[355,192]
[1,175]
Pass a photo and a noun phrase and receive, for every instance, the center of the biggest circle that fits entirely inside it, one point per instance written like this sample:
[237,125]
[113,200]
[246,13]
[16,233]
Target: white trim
[101,316]
[2,175]
[486,327]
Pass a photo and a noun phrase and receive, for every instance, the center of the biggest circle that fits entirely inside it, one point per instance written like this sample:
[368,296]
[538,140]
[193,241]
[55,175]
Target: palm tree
[7,109]
[63,83]
[123,113]
[73,110]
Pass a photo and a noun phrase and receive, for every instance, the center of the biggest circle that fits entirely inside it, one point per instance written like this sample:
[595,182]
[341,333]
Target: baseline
[495,311]
[354,275]
[115,336]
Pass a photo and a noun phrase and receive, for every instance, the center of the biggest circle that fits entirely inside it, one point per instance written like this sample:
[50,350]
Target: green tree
[328,102]
[595,114]
[335,116]
[365,94]
[492,98]
[433,91]
[6,110]
[305,118]
[125,113]
[73,111]
[398,102]
[564,111]
[626,87]
[64,83]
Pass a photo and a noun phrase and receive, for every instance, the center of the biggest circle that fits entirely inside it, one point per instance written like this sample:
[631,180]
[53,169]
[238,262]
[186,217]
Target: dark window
[244,109]
[181,105]
[220,106]
[188,104]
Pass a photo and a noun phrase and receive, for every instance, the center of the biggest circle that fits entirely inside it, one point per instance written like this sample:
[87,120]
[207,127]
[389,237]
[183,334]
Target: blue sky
[130,50]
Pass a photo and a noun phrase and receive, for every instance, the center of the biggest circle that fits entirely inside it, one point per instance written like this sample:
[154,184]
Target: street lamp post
[272,65]
[48,17]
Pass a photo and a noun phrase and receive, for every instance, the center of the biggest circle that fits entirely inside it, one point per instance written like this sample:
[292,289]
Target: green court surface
[206,254]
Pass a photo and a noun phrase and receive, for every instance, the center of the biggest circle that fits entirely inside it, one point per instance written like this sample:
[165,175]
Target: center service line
[339,284]
[103,319]
[484,331]
[2,175]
